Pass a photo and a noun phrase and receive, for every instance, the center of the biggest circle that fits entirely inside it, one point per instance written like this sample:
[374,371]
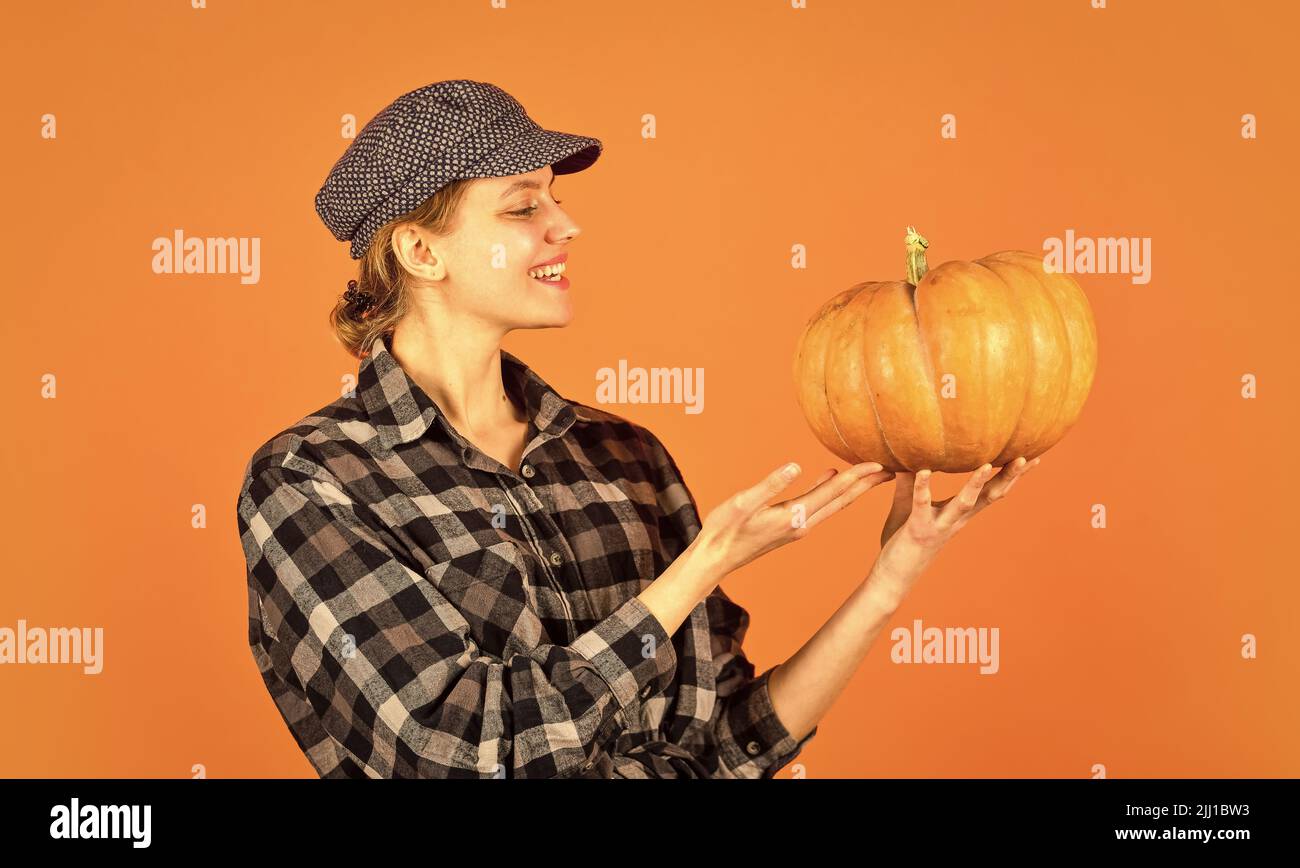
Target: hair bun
[359,301]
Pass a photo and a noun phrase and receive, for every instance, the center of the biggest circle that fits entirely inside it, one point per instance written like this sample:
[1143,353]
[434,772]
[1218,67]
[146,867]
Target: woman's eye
[528,212]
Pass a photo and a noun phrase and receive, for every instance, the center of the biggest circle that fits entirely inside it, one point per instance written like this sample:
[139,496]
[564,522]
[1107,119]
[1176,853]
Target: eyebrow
[526,184]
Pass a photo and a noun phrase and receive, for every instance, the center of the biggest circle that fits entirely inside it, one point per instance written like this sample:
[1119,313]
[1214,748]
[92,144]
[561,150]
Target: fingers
[985,489]
[825,491]
[830,471]
[1001,484]
[789,506]
[753,499]
[851,493]
[957,506]
[921,492]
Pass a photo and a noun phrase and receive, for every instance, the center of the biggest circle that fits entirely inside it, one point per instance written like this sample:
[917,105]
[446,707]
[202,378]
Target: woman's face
[506,227]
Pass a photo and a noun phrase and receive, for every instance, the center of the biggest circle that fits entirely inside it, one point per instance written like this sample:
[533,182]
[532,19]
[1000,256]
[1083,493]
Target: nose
[573,231]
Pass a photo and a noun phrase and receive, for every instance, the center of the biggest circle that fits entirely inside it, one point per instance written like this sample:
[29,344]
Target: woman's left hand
[928,525]
[916,529]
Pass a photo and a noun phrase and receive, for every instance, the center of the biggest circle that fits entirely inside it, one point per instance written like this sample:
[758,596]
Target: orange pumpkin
[962,364]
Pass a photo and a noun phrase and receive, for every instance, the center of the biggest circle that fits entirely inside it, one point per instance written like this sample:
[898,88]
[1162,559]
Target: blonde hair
[380,274]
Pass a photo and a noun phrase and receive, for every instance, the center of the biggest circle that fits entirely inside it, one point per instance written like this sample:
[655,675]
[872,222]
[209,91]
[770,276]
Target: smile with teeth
[550,273]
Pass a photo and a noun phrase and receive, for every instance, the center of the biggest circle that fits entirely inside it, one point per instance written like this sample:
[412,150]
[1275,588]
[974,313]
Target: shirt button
[528,470]
[647,690]
[753,748]
[556,558]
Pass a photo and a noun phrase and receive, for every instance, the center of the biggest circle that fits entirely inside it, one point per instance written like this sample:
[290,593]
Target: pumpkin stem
[916,265]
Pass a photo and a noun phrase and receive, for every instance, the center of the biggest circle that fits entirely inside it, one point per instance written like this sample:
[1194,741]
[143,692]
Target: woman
[457,572]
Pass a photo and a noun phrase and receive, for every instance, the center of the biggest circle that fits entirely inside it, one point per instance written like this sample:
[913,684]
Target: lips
[561,258]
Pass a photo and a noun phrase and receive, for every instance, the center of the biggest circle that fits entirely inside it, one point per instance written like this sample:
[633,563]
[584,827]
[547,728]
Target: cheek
[495,273]
[526,254]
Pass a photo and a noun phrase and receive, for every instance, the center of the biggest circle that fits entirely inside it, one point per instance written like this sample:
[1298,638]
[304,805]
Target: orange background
[776,126]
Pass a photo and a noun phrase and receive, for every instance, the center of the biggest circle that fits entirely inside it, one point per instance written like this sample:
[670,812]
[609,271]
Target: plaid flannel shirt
[418,609]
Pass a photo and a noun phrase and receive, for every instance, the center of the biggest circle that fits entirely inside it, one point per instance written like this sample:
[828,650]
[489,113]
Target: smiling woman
[458,166]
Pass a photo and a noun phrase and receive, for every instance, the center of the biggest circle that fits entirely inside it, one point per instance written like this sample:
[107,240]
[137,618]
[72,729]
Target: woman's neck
[460,371]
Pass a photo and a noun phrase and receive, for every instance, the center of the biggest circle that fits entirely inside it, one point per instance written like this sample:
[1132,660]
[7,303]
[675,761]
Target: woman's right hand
[744,526]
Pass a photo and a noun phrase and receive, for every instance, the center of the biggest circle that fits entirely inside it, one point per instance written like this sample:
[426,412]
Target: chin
[552,320]
[562,314]
[561,321]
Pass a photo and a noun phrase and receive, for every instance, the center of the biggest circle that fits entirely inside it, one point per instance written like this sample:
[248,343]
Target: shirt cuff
[634,667]
[754,742]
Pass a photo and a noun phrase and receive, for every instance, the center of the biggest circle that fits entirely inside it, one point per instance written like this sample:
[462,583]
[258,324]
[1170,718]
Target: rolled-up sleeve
[751,738]
[752,741]
[391,669]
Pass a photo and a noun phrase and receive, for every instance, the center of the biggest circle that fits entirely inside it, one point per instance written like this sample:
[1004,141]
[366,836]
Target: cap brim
[565,153]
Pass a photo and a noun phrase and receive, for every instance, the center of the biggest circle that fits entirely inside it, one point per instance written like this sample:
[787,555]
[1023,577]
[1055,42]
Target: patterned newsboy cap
[430,137]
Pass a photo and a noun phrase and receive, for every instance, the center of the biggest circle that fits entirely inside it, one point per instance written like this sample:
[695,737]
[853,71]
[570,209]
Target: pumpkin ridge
[1051,293]
[879,425]
[1045,428]
[835,425]
[1029,374]
[821,320]
[866,373]
[929,368]
[826,396]
[850,347]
